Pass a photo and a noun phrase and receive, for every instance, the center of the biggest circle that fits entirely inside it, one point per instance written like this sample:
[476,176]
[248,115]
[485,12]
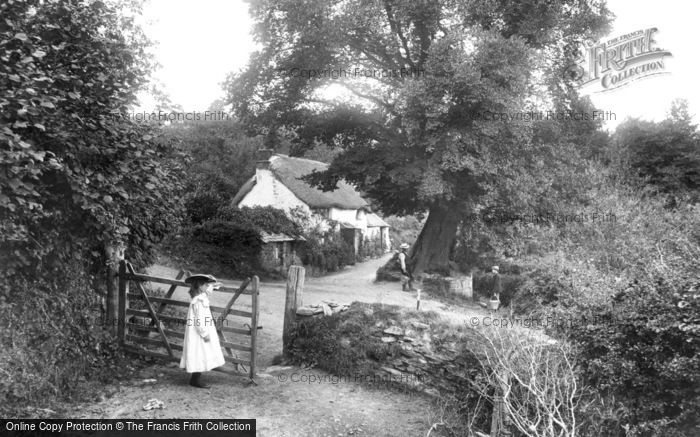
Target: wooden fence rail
[135,337]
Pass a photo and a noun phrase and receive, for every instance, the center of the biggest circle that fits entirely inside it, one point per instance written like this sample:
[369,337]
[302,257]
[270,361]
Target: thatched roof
[288,170]
[245,189]
[373,220]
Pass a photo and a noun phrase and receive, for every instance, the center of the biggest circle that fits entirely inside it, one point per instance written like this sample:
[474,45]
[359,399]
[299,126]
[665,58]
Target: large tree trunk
[431,251]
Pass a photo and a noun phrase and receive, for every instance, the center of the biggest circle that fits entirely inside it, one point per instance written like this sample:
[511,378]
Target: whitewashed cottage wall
[269,191]
[349,216]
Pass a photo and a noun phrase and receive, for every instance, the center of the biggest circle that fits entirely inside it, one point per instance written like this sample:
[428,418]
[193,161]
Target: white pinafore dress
[198,355]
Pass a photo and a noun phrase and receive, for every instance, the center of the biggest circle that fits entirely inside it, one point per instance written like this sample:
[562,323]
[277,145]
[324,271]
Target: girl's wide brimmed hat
[201,278]
[404,246]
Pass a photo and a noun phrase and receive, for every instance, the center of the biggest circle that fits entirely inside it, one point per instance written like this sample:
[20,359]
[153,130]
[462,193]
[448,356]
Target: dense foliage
[267,219]
[621,285]
[77,174]
[369,248]
[666,153]
[235,236]
[483,286]
[645,348]
[230,242]
[53,344]
[75,170]
[326,252]
[222,159]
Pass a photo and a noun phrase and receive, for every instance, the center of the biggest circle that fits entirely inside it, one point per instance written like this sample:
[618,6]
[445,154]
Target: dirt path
[284,403]
[355,283]
[288,401]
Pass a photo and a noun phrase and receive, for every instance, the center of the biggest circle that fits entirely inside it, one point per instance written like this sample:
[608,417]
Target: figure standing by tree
[201,350]
[406,277]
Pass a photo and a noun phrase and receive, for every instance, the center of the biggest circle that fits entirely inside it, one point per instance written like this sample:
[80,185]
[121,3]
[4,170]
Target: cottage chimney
[263,159]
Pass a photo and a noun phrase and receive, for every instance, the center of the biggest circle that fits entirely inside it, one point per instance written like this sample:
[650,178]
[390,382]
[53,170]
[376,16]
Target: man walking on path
[406,278]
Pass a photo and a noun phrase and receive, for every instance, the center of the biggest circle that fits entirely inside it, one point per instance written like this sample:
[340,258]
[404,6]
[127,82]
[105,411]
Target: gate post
[255,310]
[115,254]
[295,286]
[123,304]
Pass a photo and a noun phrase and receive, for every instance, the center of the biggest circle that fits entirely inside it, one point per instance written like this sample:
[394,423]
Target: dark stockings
[195,381]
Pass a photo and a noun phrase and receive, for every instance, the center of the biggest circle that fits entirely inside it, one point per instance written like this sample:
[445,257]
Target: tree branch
[396,28]
[368,97]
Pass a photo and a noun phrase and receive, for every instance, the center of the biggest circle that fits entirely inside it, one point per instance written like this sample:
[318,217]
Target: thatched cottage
[277,183]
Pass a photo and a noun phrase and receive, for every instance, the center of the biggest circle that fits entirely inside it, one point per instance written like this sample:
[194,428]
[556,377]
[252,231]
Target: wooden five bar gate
[134,335]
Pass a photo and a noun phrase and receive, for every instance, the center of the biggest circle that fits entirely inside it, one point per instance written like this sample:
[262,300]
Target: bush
[536,379]
[344,343]
[327,252]
[624,293]
[483,286]
[474,250]
[230,243]
[52,339]
[260,218]
[316,341]
[220,260]
[201,207]
[370,249]
[230,234]
[645,351]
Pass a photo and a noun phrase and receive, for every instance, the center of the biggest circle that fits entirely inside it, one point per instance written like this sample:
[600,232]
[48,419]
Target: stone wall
[458,285]
[432,362]
[439,367]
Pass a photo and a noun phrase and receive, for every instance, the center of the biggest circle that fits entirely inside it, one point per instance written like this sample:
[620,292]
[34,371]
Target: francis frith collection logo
[617,62]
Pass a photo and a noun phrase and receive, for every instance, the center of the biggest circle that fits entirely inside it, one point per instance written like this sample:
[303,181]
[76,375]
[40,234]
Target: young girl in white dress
[201,351]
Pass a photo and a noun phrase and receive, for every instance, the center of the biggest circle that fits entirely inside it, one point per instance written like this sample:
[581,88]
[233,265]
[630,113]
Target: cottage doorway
[349,235]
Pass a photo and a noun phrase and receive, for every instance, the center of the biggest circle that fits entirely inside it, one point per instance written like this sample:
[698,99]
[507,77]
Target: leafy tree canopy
[666,153]
[221,159]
